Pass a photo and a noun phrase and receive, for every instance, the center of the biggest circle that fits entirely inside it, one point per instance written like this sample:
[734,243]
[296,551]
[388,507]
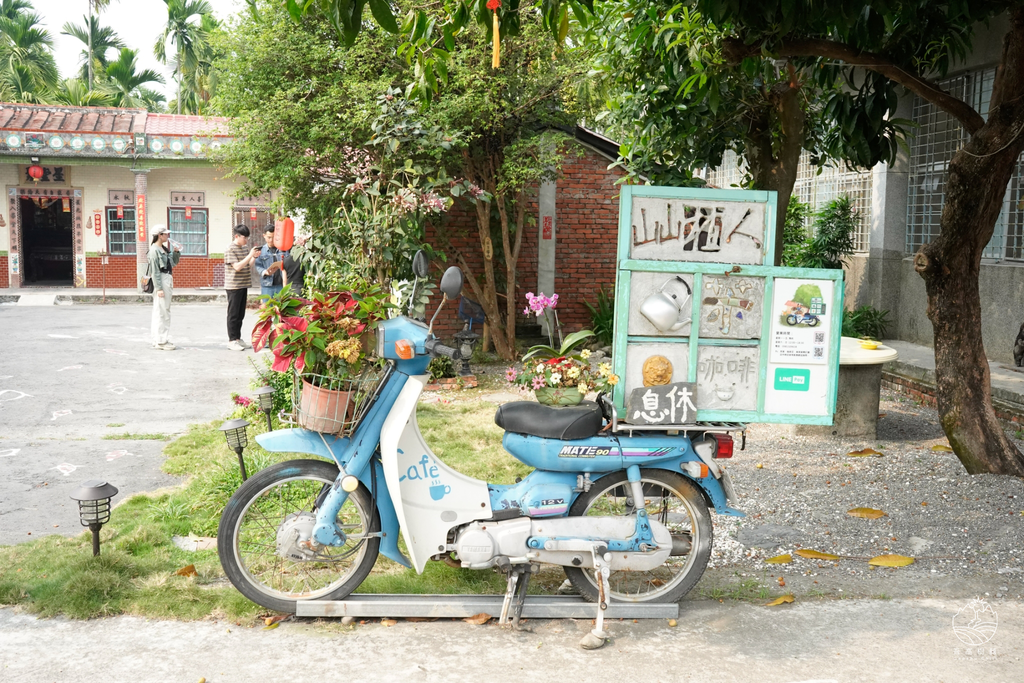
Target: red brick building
[570,251]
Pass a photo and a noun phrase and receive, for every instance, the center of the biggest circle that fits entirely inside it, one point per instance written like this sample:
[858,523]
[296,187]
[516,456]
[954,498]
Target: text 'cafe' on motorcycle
[84,185]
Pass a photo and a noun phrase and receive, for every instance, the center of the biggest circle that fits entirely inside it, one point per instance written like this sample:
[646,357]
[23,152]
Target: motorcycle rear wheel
[674,501]
[248,536]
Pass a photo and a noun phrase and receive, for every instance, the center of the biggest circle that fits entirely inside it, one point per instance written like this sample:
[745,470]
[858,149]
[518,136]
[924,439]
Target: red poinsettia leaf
[295,323]
[300,362]
[281,363]
[260,333]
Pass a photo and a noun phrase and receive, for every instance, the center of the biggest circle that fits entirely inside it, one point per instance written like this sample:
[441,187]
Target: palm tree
[26,53]
[125,82]
[23,86]
[185,30]
[98,40]
[94,6]
[75,93]
[11,8]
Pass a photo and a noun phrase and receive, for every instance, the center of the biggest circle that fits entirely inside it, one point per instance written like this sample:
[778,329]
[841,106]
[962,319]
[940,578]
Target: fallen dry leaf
[760,466]
[672,622]
[866,513]
[417,620]
[780,559]
[274,619]
[942,448]
[865,453]
[388,622]
[816,555]
[274,625]
[788,597]
[881,415]
[478,619]
[187,571]
[891,561]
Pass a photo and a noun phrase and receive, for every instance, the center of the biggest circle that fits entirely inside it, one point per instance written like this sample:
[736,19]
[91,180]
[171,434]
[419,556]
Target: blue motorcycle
[623,509]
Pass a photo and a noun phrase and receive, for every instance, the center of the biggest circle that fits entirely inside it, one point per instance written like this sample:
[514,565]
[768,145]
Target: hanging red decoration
[493,5]
[36,172]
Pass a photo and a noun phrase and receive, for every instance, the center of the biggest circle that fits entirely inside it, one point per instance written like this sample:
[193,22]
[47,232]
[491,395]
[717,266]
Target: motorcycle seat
[566,424]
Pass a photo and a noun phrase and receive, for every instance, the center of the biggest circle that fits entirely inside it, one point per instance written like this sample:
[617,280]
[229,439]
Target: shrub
[602,316]
[833,236]
[441,367]
[794,235]
[865,321]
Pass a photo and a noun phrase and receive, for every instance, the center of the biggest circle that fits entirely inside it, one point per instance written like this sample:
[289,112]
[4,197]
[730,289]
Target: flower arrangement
[328,335]
[562,376]
[542,306]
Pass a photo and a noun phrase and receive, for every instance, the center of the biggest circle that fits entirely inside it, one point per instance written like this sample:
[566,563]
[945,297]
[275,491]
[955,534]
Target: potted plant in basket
[562,376]
[327,340]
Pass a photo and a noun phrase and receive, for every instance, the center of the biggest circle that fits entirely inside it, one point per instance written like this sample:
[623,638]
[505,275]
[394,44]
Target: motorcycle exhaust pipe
[681,545]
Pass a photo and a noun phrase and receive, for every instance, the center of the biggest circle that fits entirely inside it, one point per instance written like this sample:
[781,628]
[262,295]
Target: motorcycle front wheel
[672,500]
[274,510]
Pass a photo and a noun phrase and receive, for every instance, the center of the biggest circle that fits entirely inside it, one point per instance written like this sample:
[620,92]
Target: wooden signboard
[698,302]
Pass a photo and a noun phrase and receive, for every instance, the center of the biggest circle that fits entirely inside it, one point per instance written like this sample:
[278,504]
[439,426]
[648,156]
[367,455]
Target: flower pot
[558,396]
[326,410]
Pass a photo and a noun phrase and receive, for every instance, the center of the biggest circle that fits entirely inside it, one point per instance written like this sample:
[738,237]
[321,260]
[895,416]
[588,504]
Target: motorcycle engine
[294,537]
[475,546]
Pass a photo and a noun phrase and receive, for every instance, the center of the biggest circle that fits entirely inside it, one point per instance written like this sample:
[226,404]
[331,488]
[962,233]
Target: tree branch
[735,50]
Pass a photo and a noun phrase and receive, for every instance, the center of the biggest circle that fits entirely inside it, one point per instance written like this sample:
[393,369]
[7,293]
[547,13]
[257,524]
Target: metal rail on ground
[462,606]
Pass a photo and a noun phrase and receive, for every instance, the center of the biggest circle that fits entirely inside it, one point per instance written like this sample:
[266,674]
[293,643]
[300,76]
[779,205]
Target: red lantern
[36,172]
[284,234]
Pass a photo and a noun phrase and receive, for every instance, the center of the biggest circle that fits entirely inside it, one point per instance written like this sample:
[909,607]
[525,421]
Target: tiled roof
[55,119]
[46,118]
[173,124]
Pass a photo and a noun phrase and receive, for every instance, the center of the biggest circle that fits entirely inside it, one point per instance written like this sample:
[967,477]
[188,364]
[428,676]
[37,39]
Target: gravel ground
[966,532]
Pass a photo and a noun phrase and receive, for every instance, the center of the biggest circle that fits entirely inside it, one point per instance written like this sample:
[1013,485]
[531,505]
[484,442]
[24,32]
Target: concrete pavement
[72,375]
[829,641]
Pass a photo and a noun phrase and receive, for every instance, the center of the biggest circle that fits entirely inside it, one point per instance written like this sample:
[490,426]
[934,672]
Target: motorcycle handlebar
[436,348]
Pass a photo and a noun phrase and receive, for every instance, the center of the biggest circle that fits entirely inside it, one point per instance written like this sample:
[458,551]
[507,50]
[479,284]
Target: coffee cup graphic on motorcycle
[440,491]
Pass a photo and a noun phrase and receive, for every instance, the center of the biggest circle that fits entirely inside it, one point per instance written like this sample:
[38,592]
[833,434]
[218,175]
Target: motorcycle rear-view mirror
[451,282]
[420,264]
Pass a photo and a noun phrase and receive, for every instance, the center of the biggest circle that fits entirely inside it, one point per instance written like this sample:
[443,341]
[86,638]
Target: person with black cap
[268,264]
[161,265]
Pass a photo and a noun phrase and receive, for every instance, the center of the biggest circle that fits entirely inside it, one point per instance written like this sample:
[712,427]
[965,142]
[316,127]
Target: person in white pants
[161,266]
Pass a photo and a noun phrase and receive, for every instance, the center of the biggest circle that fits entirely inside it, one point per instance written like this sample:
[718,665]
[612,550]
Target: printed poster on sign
[801,316]
[799,363]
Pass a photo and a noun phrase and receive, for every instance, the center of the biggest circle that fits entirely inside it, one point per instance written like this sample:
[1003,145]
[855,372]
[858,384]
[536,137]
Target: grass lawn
[136,572]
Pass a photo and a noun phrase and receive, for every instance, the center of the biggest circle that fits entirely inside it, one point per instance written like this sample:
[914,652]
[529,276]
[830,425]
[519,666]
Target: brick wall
[5,278]
[586,220]
[120,272]
[1009,411]
[191,271]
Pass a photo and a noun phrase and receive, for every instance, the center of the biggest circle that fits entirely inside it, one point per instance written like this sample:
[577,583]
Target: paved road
[69,372]
[837,641]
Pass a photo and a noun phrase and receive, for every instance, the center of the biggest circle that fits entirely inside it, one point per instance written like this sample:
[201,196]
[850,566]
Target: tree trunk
[977,180]
[89,27]
[771,171]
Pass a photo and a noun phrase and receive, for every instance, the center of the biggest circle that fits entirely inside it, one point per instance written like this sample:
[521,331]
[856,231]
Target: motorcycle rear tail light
[724,449]
[405,349]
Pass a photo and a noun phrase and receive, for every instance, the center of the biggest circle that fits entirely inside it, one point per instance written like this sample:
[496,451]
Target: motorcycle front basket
[331,405]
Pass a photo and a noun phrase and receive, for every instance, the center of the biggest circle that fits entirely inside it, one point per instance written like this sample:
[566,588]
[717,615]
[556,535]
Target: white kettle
[663,309]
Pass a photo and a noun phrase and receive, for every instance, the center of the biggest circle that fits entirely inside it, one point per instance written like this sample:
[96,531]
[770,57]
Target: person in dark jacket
[294,274]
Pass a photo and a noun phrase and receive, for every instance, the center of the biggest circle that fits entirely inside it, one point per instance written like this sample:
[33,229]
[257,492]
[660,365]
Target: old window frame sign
[699,303]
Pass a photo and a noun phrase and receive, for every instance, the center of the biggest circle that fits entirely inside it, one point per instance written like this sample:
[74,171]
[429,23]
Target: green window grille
[121,232]
[190,233]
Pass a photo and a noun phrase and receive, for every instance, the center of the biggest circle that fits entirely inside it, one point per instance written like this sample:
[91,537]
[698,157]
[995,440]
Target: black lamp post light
[94,507]
[238,439]
[265,396]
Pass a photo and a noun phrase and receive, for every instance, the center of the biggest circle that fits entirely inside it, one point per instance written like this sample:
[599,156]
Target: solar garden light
[265,395]
[94,507]
[466,339]
[238,439]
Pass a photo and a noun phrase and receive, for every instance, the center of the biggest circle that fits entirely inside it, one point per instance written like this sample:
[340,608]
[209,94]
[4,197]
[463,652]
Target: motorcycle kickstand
[515,596]
[598,637]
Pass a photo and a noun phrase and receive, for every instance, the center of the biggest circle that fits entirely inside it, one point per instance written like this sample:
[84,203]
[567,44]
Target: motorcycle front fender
[334,448]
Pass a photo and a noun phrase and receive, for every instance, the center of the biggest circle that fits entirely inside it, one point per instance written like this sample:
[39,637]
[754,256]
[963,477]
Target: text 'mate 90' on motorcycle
[625,513]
